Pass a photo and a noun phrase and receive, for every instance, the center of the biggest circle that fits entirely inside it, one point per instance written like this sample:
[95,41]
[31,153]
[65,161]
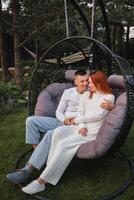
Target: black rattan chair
[76,53]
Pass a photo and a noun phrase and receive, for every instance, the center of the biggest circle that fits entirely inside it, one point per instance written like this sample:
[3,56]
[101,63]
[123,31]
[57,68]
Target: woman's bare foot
[41,181]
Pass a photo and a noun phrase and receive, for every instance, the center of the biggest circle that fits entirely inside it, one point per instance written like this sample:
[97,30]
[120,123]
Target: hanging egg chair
[49,80]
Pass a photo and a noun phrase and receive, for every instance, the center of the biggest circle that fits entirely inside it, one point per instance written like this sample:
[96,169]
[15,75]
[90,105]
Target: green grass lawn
[83,180]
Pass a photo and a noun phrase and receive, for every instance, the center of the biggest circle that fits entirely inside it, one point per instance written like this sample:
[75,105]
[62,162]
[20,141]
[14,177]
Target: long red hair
[100,81]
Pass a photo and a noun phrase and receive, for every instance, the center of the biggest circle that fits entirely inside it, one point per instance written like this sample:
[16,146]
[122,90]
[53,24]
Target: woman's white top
[90,115]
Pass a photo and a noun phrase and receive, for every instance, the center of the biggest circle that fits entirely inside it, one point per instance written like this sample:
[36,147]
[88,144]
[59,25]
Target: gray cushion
[44,105]
[107,133]
[69,74]
[116,81]
[117,84]
[49,98]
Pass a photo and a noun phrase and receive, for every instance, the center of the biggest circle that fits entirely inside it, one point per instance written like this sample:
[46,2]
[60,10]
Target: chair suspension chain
[66,18]
[93,19]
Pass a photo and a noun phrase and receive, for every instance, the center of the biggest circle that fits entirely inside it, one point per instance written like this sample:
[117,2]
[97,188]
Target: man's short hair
[80,72]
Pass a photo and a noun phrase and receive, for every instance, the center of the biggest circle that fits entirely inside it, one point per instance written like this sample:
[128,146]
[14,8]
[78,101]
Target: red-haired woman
[67,139]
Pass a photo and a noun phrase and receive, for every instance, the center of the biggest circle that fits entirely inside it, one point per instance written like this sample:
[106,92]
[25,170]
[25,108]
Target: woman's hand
[107,105]
[83,132]
[69,121]
[72,121]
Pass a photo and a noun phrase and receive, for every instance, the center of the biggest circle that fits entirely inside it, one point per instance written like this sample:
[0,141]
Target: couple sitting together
[79,116]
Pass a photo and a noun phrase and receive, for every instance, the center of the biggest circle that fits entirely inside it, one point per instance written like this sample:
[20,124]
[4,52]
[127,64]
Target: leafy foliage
[10,98]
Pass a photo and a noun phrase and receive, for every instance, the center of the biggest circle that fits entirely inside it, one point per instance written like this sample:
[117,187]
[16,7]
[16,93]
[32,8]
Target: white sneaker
[33,187]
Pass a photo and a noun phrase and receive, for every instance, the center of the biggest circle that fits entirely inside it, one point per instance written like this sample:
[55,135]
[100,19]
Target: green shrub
[11,99]
[28,69]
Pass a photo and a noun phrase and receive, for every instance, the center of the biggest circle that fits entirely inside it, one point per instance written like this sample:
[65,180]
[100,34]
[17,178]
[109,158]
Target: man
[67,109]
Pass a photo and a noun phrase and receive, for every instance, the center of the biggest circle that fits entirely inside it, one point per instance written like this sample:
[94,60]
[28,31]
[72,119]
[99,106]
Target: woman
[67,139]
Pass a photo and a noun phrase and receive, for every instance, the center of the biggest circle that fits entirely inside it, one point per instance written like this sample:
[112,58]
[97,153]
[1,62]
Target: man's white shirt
[68,105]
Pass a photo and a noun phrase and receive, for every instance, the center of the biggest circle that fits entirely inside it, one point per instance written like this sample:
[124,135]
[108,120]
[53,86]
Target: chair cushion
[44,105]
[116,81]
[49,98]
[117,84]
[107,133]
[69,74]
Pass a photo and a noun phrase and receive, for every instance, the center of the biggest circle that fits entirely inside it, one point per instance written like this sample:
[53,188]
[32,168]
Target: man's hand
[83,132]
[68,121]
[72,121]
[107,105]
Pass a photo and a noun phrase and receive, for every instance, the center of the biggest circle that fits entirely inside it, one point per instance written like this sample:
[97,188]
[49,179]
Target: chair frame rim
[128,115]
